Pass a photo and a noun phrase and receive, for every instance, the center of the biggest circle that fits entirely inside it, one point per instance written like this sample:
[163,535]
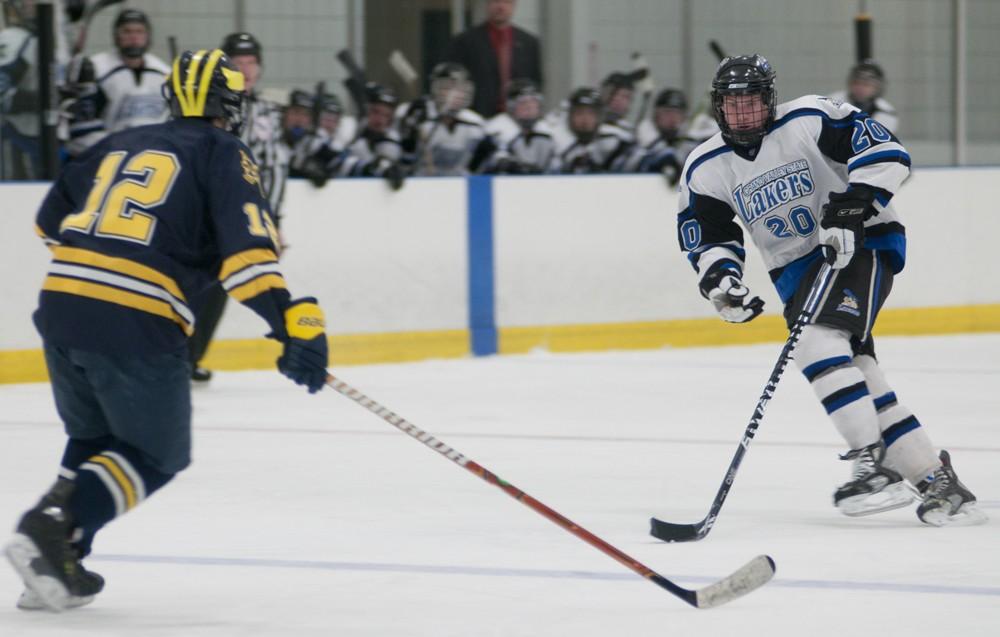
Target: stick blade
[669,532]
[748,578]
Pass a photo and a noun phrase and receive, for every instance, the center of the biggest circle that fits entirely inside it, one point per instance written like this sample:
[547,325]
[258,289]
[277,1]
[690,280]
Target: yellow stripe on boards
[114,295]
[119,475]
[25,366]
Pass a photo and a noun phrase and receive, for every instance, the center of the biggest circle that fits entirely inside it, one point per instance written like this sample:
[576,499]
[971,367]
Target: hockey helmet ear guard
[206,85]
[744,75]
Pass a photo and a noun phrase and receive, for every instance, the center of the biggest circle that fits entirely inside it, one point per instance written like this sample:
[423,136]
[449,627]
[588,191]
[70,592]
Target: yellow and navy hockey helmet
[206,84]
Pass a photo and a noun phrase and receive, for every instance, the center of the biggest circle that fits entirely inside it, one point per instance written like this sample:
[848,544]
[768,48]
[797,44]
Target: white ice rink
[307,515]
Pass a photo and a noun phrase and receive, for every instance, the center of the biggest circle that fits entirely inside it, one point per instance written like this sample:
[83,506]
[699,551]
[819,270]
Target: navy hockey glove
[305,356]
[842,228]
[724,288]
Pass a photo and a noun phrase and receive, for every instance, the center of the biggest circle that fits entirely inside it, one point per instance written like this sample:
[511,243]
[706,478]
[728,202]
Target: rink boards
[452,267]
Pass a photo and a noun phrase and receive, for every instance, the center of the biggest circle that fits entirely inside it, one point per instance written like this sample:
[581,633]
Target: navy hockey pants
[144,403]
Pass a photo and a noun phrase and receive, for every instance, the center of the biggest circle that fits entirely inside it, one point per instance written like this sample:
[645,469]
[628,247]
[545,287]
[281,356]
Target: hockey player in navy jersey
[139,224]
[812,179]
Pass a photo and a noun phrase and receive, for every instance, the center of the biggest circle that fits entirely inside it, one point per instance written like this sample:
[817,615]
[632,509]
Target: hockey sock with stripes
[825,358]
[908,447]
[109,484]
[78,450]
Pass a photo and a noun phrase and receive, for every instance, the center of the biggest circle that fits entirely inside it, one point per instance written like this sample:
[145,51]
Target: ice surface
[307,515]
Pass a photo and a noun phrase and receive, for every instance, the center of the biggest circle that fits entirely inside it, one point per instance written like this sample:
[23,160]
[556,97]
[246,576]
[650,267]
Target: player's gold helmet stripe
[193,96]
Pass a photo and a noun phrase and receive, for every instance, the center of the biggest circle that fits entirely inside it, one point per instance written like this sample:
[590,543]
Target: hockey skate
[947,501]
[41,553]
[873,488]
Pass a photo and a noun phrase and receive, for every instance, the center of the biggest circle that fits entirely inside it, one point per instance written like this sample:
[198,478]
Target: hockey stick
[406,72]
[746,579]
[669,532]
[88,15]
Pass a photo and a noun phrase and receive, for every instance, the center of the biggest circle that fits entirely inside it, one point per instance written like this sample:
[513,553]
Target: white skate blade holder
[967,515]
[21,551]
[892,497]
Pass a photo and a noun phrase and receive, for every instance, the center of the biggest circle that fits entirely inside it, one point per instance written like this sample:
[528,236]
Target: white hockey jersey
[128,98]
[606,152]
[448,149]
[815,146]
[533,150]
[883,111]
[18,52]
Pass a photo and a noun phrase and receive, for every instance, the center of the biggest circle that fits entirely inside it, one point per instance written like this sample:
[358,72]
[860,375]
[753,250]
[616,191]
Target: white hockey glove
[842,228]
[732,300]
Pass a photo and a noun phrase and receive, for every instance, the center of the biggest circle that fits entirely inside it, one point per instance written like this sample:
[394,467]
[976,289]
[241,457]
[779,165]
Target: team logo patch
[850,303]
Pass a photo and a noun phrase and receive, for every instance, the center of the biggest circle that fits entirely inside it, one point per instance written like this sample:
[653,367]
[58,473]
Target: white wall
[568,250]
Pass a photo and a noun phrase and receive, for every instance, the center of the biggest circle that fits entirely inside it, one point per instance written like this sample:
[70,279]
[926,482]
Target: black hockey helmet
[589,98]
[867,70]
[586,96]
[132,16]
[671,98]
[377,94]
[242,43]
[451,87]
[206,84]
[330,103]
[744,75]
[302,99]
[522,87]
[524,102]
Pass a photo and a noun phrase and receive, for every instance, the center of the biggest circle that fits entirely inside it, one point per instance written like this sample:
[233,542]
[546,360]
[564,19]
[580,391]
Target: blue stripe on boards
[482,316]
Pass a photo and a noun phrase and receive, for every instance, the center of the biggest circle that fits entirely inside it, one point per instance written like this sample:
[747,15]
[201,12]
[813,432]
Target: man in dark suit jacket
[496,52]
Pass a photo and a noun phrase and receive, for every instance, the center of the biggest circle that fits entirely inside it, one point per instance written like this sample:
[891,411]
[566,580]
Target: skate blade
[21,552]
[30,601]
[967,515]
[892,497]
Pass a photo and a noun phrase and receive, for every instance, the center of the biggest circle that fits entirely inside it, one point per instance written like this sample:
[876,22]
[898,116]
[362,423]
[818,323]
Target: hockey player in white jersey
[525,142]
[440,135]
[663,142]
[865,84]
[118,89]
[376,149]
[591,146]
[812,179]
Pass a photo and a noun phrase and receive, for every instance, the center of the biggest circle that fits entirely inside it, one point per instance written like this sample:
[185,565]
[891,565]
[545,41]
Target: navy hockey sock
[78,450]
[109,484]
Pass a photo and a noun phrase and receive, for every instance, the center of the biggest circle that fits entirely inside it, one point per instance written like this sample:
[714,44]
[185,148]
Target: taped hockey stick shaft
[669,532]
[749,577]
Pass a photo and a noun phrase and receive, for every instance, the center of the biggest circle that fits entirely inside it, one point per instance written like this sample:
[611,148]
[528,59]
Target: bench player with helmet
[811,180]
[139,224]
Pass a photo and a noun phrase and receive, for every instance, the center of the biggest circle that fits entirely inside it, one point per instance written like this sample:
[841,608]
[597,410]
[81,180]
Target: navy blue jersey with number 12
[144,221]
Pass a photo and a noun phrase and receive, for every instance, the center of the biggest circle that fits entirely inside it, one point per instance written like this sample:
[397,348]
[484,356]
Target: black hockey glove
[723,286]
[389,170]
[842,227]
[305,354]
